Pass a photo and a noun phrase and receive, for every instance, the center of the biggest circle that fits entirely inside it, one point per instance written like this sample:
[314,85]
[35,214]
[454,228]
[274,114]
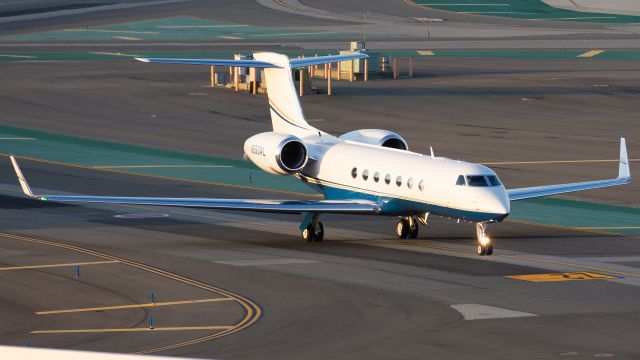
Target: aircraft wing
[624,177]
[275,206]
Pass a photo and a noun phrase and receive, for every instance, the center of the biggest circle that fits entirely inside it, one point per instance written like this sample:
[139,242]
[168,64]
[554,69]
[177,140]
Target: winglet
[142,59]
[623,171]
[23,182]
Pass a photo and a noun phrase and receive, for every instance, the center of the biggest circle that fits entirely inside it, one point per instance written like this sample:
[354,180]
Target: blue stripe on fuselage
[395,207]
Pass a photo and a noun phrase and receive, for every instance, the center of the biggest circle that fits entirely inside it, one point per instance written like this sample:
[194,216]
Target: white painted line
[230,37]
[481,312]
[197,26]
[295,34]
[126,38]
[265,262]
[19,56]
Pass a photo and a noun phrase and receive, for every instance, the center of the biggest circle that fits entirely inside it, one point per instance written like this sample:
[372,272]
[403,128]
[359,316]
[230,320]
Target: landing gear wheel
[490,249]
[309,234]
[402,229]
[482,250]
[413,232]
[485,247]
[319,232]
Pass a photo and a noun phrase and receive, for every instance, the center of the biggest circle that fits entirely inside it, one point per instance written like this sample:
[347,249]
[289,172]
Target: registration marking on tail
[557,277]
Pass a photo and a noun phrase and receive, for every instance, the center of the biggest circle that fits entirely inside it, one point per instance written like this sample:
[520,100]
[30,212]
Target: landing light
[484,240]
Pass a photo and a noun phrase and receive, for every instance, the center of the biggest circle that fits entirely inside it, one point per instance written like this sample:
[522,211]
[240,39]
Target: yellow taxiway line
[178,328]
[252,310]
[158,166]
[202,182]
[559,277]
[554,162]
[591,53]
[57,265]
[134,306]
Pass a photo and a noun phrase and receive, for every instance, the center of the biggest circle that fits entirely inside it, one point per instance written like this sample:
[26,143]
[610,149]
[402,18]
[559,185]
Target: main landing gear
[485,247]
[407,227]
[312,229]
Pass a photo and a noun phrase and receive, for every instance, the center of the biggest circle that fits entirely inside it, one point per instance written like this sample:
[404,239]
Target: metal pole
[301,81]
[395,68]
[213,76]
[328,79]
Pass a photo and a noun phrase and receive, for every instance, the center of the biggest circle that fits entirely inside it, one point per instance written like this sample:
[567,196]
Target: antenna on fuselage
[432,155]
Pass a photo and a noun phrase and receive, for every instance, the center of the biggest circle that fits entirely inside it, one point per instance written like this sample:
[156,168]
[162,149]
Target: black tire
[319,232]
[413,233]
[308,234]
[490,249]
[481,250]
[402,229]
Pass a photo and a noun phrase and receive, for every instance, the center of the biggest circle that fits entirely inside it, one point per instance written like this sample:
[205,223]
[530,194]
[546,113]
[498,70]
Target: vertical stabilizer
[286,113]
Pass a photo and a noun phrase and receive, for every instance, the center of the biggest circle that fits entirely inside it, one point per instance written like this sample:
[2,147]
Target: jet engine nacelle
[384,138]
[276,153]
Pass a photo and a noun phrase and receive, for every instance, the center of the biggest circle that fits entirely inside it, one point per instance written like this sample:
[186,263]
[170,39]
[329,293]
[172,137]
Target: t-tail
[287,116]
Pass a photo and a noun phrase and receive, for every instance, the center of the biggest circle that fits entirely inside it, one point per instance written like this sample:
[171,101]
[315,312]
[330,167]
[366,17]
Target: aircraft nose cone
[499,204]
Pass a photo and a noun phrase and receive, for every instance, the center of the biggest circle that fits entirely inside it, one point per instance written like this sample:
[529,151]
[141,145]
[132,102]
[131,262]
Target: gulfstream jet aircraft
[368,171]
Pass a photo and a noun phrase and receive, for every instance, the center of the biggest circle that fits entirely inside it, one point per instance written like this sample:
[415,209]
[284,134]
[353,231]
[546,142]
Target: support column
[254,81]
[366,69]
[301,91]
[235,77]
[328,79]
[394,68]
[213,76]
[325,70]
[410,67]
[351,71]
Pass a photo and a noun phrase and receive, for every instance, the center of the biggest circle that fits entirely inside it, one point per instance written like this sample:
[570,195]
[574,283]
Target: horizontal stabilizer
[223,62]
[294,63]
[302,62]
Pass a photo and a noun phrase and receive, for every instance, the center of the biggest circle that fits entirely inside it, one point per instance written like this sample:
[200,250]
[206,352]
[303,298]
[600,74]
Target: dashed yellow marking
[177,328]
[57,265]
[426,52]
[133,306]
[158,166]
[557,277]
[591,53]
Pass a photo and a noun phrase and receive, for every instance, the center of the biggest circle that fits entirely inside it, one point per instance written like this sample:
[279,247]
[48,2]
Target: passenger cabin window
[493,180]
[365,174]
[421,185]
[354,173]
[376,176]
[410,183]
[387,179]
[460,181]
[477,180]
[399,181]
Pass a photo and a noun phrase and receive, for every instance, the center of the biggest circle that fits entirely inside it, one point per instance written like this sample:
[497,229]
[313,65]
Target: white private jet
[368,171]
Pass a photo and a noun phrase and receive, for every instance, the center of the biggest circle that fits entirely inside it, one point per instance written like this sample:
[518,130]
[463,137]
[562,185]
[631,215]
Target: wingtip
[142,59]
[624,171]
[26,189]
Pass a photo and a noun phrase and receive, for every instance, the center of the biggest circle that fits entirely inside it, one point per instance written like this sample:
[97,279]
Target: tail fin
[286,113]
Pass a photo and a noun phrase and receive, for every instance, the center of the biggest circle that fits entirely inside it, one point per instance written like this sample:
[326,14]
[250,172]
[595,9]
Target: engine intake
[276,153]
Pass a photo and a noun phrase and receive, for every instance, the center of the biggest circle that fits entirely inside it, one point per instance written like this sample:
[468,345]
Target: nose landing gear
[485,247]
[311,229]
[407,227]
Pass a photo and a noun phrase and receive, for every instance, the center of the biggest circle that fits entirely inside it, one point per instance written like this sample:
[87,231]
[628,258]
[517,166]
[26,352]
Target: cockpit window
[477,180]
[460,181]
[493,180]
